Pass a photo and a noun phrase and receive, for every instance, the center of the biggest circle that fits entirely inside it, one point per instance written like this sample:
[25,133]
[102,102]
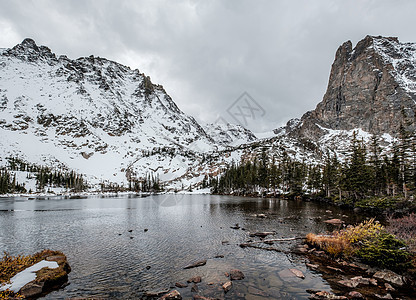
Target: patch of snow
[27,275]
[265,135]
[402,56]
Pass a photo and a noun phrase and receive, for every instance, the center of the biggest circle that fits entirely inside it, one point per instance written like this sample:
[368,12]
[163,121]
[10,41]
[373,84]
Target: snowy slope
[229,134]
[95,116]
[402,56]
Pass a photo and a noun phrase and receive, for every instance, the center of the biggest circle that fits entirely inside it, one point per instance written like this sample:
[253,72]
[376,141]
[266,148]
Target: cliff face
[372,87]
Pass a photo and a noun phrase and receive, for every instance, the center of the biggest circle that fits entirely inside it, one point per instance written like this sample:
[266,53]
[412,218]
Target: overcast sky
[207,53]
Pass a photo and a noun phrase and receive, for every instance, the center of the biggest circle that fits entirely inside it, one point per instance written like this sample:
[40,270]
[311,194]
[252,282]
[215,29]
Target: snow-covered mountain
[111,123]
[229,134]
[97,117]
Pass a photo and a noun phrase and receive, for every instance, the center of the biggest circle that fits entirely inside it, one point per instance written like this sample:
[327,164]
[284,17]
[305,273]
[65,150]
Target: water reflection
[109,261]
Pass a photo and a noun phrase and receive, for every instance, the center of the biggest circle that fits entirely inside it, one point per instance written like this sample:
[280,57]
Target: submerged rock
[196,279]
[181,285]
[334,221]
[154,294]
[262,234]
[197,264]
[297,273]
[236,274]
[194,288]
[227,286]
[389,287]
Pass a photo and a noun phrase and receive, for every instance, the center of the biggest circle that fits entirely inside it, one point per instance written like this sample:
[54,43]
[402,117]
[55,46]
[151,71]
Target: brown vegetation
[11,265]
[369,241]
[405,229]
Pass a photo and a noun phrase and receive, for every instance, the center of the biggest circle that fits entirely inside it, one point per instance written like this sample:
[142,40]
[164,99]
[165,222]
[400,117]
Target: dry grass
[345,242]
[405,229]
[332,244]
[11,265]
[8,295]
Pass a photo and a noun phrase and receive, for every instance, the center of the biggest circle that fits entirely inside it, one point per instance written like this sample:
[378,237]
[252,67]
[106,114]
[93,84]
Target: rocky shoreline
[355,280]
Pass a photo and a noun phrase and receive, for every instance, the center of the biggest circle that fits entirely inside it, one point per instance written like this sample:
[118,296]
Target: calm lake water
[181,229]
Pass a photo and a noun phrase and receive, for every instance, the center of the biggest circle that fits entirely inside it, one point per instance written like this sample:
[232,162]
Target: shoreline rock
[47,279]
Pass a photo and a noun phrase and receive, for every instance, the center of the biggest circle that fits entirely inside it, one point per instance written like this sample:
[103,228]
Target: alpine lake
[120,247]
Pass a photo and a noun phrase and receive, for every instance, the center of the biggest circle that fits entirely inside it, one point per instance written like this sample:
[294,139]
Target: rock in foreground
[51,270]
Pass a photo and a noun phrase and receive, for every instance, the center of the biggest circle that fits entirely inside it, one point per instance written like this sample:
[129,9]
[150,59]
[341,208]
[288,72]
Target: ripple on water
[109,261]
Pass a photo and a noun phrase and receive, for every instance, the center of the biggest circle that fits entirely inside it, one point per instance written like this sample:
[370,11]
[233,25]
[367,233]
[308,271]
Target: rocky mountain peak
[27,50]
[371,86]
[28,43]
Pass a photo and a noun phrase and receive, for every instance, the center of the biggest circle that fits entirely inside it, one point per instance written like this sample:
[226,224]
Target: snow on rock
[27,275]
[402,56]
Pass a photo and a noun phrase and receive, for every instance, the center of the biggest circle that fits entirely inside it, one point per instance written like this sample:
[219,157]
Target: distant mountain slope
[91,114]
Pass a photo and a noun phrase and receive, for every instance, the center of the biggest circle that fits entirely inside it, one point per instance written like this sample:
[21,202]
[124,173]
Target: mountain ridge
[113,124]
[90,114]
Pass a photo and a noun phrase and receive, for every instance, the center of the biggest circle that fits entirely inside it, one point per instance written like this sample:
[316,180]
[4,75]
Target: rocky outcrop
[390,277]
[372,87]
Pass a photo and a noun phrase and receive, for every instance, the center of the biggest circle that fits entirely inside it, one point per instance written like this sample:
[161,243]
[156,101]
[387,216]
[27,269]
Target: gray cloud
[207,53]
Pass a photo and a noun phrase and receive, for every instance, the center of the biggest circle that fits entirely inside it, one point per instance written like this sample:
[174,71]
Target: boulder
[236,274]
[390,277]
[236,226]
[198,297]
[358,280]
[335,269]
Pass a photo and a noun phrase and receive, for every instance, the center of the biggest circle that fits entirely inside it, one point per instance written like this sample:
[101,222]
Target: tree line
[44,176]
[8,183]
[368,170]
